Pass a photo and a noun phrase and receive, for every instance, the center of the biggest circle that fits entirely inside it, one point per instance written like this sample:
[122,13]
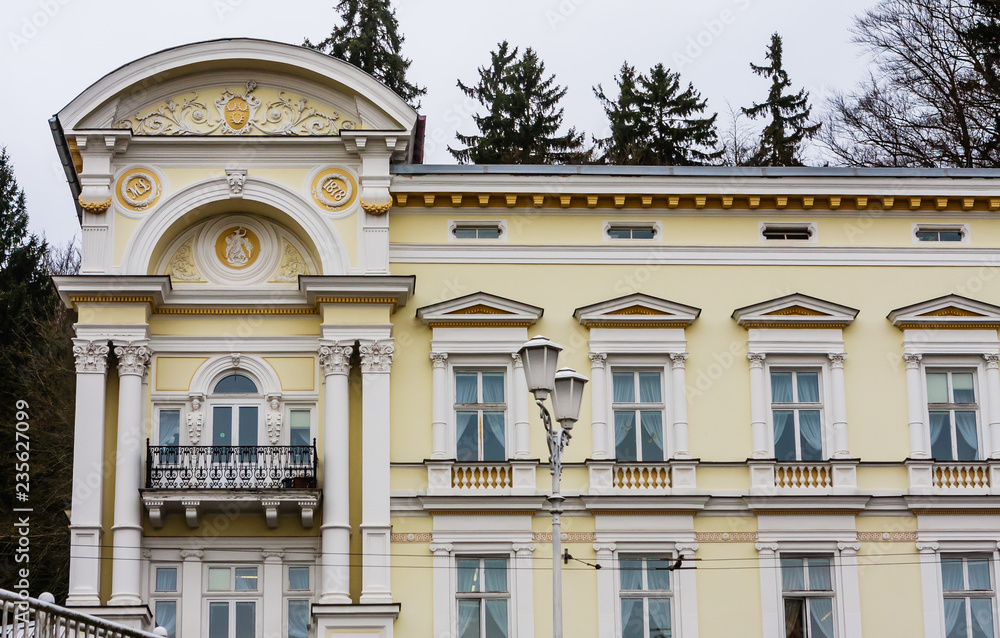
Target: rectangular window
[299,428]
[483,598]
[638,411]
[807,593]
[298,579]
[953,415]
[796,412]
[480,415]
[170,427]
[240,616]
[477,230]
[968,596]
[631,231]
[787,231]
[958,233]
[166,616]
[298,619]
[644,584]
[238,579]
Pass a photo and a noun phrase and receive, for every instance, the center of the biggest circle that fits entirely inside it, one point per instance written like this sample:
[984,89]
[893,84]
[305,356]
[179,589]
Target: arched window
[236,411]
[235,384]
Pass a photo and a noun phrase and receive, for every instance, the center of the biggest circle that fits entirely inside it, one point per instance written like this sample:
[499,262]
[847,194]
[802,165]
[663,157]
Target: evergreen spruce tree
[653,121]
[522,118]
[369,39]
[789,125]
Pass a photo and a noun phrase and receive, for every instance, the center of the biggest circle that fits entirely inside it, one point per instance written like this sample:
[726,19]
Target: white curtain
[466,390]
[658,574]
[659,618]
[808,383]
[781,387]
[979,573]
[954,618]
[784,435]
[632,620]
[649,387]
[298,619]
[792,575]
[298,578]
[625,446]
[819,574]
[468,619]
[630,573]
[982,618]
[496,618]
[468,576]
[952,578]
[968,436]
[496,575]
[468,436]
[812,435]
[652,441]
[624,387]
[821,617]
[170,427]
[166,579]
[494,447]
[492,387]
[940,426]
[166,615]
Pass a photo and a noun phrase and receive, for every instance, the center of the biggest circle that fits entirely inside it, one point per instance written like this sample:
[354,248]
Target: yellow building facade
[301,412]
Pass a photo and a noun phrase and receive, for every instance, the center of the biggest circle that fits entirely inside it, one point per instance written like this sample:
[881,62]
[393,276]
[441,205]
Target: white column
[993,393]
[840,449]
[335,570]
[190,606]
[88,473]
[525,621]
[915,406]
[758,406]
[687,588]
[376,364]
[847,563]
[930,588]
[522,438]
[133,358]
[679,401]
[770,593]
[272,586]
[439,416]
[599,407]
[444,595]
[606,599]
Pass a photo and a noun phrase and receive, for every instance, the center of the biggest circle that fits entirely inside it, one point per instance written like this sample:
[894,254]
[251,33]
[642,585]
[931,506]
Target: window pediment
[480,309]
[950,311]
[637,311]
[795,311]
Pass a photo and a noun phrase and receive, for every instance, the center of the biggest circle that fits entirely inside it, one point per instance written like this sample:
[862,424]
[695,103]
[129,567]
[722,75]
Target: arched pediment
[238,87]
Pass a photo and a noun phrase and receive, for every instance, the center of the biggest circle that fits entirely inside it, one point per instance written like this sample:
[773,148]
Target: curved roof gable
[238,87]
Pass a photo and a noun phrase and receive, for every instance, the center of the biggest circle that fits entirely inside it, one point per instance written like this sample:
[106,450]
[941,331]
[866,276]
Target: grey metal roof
[693,171]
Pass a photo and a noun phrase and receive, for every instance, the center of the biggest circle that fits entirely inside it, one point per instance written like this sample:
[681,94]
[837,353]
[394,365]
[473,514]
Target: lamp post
[541,357]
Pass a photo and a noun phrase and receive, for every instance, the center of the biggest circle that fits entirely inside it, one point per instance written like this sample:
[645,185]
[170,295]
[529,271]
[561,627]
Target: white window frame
[645,594]
[168,406]
[289,594]
[175,596]
[286,423]
[231,601]
[233,596]
[456,224]
[484,596]
[957,362]
[640,363]
[809,227]
[481,363]
[235,401]
[932,547]
[655,226]
[807,593]
[977,384]
[964,229]
[805,363]
[843,576]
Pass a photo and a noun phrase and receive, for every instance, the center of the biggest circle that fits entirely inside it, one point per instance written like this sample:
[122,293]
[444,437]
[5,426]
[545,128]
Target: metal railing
[230,467]
[42,618]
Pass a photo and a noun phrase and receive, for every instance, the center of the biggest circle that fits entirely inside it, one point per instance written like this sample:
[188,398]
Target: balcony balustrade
[230,467]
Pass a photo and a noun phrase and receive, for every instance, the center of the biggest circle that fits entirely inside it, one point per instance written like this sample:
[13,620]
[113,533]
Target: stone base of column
[375,581]
[136,617]
[354,621]
[335,573]
[126,567]
[84,566]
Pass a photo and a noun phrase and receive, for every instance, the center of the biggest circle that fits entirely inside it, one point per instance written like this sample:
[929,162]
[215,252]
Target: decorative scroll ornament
[195,420]
[274,421]
[292,264]
[132,358]
[94,207]
[236,356]
[335,359]
[182,266]
[376,209]
[236,114]
[376,356]
[237,179]
[91,356]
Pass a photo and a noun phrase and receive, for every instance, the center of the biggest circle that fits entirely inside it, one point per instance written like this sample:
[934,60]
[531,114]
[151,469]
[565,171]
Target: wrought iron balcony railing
[230,467]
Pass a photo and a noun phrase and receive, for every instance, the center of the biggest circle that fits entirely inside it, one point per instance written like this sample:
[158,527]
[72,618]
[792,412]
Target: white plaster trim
[125,211]
[348,211]
[204,379]
[810,227]
[634,341]
[795,340]
[655,225]
[454,224]
[962,228]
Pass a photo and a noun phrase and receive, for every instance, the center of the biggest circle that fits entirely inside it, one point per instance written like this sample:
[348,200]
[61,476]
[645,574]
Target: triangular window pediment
[795,311]
[950,311]
[480,309]
[637,311]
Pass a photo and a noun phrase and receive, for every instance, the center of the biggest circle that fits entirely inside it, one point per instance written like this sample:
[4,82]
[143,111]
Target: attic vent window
[477,230]
[632,230]
[958,233]
[788,231]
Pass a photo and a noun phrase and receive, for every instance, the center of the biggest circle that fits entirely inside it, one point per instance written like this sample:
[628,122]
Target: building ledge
[193,503]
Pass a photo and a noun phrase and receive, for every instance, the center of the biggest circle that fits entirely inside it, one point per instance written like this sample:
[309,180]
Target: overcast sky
[53,49]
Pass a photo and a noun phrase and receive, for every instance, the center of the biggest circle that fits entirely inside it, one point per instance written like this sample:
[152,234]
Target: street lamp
[541,357]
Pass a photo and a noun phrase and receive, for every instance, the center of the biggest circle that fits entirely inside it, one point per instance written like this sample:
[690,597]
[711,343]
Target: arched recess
[257,370]
[141,253]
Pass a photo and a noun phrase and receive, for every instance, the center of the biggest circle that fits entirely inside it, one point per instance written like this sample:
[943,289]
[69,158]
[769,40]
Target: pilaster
[334,586]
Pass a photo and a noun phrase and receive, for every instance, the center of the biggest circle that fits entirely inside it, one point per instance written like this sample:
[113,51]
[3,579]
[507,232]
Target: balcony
[803,478]
[485,478]
[202,478]
[954,478]
[629,478]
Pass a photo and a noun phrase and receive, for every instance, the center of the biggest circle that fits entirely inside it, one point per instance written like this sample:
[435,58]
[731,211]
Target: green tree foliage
[788,126]
[369,39]
[37,367]
[654,121]
[522,120]
[933,98]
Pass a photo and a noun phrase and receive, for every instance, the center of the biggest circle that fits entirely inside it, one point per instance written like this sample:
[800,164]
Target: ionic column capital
[912,360]
[767,548]
[439,359]
[608,548]
[440,549]
[686,550]
[849,548]
[679,360]
[992,361]
[756,359]
[598,360]
[335,358]
[133,358]
[192,554]
[523,549]
[376,356]
[837,359]
[91,356]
